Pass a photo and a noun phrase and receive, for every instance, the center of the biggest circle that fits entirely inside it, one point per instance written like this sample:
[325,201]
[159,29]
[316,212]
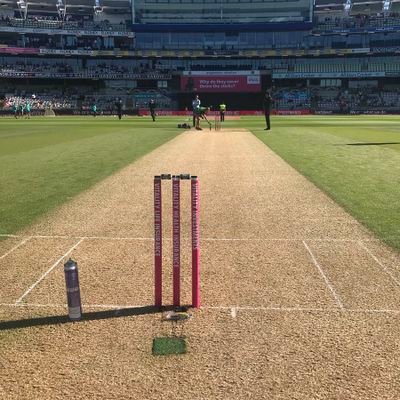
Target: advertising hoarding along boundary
[145,112]
[227,81]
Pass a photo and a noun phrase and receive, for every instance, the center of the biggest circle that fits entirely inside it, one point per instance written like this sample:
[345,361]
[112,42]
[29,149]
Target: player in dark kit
[119,108]
[267,103]
[152,108]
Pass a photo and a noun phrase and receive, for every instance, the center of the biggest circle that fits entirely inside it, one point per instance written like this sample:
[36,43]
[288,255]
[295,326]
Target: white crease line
[53,305]
[55,237]
[233,309]
[302,309]
[387,311]
[15,248]
[41,236]
[117,238]
[299,239]
[395,280]
[113,306]
[90,237]
[305,309]
[21,305]
[78,237]
[276,239]
[288,309]
[48,271]
[335,295]
[379,240]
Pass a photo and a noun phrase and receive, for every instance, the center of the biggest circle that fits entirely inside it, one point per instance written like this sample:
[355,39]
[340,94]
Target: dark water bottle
[73,290]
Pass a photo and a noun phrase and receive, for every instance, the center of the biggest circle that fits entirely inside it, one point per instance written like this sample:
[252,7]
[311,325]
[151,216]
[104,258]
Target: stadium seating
[334,56]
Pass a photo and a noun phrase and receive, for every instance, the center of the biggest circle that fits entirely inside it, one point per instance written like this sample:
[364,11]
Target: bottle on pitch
[73,290]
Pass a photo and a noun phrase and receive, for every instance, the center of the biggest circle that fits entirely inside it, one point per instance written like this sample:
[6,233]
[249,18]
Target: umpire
[119,108]
[267,103]
[152,107]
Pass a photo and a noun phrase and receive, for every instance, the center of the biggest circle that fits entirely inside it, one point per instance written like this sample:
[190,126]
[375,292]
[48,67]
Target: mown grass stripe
[40,171]
[355,165]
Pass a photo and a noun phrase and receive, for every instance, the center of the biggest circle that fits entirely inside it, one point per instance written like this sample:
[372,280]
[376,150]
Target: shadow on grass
[371,143]
[366,144]
[88,316]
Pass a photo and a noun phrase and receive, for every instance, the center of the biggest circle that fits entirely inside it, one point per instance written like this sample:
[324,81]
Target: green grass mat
[164,346]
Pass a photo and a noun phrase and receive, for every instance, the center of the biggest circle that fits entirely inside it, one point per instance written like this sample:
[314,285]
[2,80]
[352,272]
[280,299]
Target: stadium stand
[336,56]
[226,11]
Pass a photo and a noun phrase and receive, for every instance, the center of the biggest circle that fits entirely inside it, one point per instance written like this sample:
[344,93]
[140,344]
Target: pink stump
[176,240]
[157,242]
[195,200]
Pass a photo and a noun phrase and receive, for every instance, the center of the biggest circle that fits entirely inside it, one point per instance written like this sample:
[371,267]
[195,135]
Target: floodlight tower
[62,9]
[97,8]
[347,6]
[23,8]
[387,4]
[133,14]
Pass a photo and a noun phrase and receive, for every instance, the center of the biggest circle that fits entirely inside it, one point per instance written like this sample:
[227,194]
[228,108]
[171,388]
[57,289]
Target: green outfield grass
[356,160]
[46,161]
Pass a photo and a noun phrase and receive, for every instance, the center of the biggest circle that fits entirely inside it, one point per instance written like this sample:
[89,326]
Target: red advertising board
[221,83]
[18,50]
[145,111]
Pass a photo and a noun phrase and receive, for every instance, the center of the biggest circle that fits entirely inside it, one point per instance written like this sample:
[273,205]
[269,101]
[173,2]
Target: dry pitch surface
[299,300]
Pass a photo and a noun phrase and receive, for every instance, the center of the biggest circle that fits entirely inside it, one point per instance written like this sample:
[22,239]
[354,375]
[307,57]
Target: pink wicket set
[176,238]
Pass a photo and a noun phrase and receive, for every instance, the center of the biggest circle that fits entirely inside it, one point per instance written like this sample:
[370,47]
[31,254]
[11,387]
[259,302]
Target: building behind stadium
[321,56]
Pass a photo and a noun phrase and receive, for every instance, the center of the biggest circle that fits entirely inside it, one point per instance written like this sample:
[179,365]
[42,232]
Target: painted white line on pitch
[114,306]
[49,270]
[15,248]
[384,238]
[21,305]
[80,237]
[90,237]
[288,309]
[233,309]
[275,240]
[330,219]
[303,309]
[335,295]
[394,279]
[211,239]
[119,238]
[387,311]
[54,305]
